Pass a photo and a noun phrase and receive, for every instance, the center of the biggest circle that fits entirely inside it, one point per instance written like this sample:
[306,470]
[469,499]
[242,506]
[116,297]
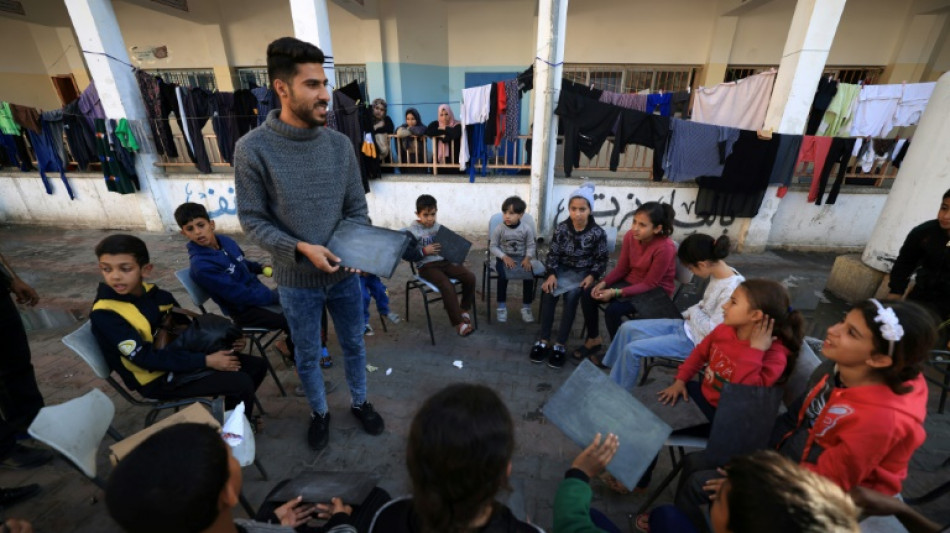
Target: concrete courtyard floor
[60,264]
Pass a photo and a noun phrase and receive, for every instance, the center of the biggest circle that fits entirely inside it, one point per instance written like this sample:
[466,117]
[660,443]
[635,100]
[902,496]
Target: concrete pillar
[720,49]
[73,57]
[806,50]
[552,24]
[312,24]
[221,62]
[97,31]
[917,50]
[923,178]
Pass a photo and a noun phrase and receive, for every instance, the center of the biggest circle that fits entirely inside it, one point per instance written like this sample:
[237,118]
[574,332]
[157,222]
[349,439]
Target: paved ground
[60,264]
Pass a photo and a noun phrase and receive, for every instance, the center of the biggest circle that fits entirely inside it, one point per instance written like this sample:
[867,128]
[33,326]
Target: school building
[420,53]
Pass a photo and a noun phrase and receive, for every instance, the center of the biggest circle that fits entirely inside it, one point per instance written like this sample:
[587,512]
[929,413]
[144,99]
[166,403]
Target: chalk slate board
[454,247]
[680,416]
[320,487]
[589,403]
[368,248]
[568,280]
[537,269]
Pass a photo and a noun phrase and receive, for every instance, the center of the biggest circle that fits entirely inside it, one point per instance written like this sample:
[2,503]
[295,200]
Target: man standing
[20,398]
[294,180]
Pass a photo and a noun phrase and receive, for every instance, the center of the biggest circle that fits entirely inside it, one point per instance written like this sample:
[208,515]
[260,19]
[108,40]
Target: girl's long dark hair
[771,298]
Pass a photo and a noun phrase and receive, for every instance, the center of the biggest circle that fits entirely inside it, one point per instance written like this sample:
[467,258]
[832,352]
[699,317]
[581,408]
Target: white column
[552,22]
[919,185]
[97,31]
[806,50]
[312,24]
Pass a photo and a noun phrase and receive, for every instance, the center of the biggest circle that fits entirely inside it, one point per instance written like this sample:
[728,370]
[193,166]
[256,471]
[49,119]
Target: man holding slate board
[295,181]
[443,252]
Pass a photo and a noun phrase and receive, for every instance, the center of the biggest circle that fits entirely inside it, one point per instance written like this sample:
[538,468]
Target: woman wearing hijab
[411,145]
[382,129]
[446,133]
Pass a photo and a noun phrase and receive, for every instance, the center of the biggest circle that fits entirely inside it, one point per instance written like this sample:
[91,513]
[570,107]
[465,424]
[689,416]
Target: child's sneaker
[502,314]
[558,357]
[539,352]
[526,315]
[325,360]
[394,318]
[369,331]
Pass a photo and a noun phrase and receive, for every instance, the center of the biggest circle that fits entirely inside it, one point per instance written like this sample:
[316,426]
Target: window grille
[621,78]
[191,77]
[870,75]
[258,76]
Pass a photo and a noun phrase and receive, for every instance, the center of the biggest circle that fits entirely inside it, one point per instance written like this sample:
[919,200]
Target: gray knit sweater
[294,184]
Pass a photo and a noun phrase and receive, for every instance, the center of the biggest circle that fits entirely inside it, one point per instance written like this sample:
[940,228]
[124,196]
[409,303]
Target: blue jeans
[373,287]
[303,308]
[636,339]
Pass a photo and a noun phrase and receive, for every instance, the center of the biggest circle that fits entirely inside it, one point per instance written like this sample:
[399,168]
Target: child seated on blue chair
[513,243]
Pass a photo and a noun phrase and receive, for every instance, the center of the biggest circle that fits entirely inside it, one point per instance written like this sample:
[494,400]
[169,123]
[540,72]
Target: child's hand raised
[669,395]
[509,262]
[549,284]
[761,338]
[593,460]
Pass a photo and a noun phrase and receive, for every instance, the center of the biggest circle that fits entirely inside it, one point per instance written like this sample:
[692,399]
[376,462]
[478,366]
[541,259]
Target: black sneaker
[14,495]
[558,357]
[319,433]
[539,353]
[23,457]
[372,422]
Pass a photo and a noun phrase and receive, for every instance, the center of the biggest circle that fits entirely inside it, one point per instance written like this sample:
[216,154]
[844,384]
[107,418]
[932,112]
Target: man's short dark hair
[170,482]
[124,244]
[284,54]
[515,203]
[426,201]
[189,211]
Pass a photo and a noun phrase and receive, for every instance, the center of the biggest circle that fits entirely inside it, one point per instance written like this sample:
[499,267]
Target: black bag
[207,334]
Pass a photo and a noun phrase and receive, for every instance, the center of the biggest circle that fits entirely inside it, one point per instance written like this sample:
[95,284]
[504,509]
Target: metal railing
[248,77]
[630,78]
[869,75]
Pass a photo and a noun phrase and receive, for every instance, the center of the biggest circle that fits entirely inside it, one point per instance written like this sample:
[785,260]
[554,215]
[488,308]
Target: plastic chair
[488,266]
[84,343]
[75,429]
[430,294]
[261,338]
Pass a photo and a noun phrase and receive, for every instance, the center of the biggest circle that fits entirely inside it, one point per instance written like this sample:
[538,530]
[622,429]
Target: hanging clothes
[745,177]
[53,121]
[827,88]
[900,151]
[90,106]
[477,149]
[123,132]
[224,124]
[512,111]
[680,104]
[526,80]
[697,149]
[195,106]
[117,178]
[347,119]
[626,100]
[491,123]
[661,101]
[837,119]
[874,110]
[786,158]
[245,112]
[840,152]
[474,110]
[502,112]
[267,99]
[151,90]
[27,117]
[26,160]
[644,129]
[81,141]
[47,160]
[8,126]
[739,104]
[914,99]
[587,124]
[12,152]
[122,155]
[814,149]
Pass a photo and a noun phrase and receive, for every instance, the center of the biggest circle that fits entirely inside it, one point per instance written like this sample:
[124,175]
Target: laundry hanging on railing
[838,116]
[118,175]
[738,104]
[697,149]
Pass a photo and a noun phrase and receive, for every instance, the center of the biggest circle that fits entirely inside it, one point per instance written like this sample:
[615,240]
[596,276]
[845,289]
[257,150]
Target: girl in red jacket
[756,344]
[864,418]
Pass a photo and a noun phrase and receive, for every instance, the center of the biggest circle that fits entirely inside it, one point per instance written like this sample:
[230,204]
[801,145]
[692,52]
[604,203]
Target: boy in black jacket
[128,311]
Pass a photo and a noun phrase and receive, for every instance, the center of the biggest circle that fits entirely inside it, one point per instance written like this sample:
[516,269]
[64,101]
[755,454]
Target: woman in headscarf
[382,129]
[446,133]
[411,145]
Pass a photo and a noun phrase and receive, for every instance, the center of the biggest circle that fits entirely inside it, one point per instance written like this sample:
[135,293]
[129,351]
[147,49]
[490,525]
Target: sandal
[467,318]
[598,361]
[643,522]
[579,354]
[613,484]
[465,330]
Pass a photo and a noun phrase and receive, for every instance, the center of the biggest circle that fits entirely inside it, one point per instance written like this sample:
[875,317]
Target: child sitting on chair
[436,270]
[513,243]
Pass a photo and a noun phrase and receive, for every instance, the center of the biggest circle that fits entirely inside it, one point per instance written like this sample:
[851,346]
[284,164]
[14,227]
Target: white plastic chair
[75,430]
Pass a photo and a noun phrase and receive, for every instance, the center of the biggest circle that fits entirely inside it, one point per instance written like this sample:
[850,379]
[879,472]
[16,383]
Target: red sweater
[644,266]
[732,361]
[866,435]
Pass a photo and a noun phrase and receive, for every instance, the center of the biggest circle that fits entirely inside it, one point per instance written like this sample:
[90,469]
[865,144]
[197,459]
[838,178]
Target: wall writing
[620,212]
[226,203]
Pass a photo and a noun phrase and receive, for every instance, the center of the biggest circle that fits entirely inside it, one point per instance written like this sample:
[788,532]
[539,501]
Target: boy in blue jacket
[219,267]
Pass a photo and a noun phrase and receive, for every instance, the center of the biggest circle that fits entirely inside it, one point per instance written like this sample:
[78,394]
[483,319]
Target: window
[249,77]
[189,77]
[632,78]
[869,75]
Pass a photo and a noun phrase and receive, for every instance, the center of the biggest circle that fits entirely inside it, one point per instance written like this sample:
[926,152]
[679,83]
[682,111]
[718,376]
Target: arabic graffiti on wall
[620,214]
[225,205]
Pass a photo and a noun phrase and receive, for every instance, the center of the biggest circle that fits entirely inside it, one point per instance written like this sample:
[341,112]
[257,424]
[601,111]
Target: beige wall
[187,42]
[23,76]
[514,29]
[942,62]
